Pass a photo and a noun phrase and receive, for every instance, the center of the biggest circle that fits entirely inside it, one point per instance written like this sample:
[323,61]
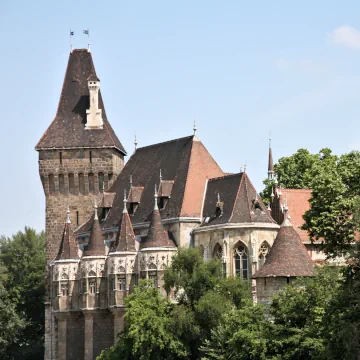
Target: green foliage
[148,334]
[298,313]
[24,259]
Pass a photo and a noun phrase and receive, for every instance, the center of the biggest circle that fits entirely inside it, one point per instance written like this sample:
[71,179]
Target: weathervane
[87,32]
[71,34]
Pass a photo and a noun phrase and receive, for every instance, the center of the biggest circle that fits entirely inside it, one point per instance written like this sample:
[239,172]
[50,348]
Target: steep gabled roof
[185,161]
[125,238]
[68,247]
[68,127]
[288,255]
[240,202]
[96,245]
[157,235]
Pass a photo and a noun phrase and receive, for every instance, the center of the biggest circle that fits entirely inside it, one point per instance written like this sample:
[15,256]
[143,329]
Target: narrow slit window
[77,218]
[90,156]
[61,159]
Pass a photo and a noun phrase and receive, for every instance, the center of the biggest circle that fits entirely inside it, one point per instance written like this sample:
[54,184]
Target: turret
[94,114]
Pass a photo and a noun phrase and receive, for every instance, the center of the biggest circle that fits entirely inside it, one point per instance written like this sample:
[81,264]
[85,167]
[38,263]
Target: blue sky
[240,68]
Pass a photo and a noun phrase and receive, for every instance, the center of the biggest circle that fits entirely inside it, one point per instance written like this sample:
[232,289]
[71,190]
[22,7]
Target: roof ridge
[247,196]
[225,176]
[295,190]
[165,142]
[236,197]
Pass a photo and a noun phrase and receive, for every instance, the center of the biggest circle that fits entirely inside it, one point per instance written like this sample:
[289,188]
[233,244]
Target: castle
[108,225]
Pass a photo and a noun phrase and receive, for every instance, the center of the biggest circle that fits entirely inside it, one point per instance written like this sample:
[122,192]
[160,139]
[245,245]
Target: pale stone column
[89,338]
[118,322]
[76,184]
[66,184]
[62,329]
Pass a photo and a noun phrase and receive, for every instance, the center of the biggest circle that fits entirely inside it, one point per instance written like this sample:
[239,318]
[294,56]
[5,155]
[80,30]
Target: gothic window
[84,287]
[92,286]
[218,252]
[51,184]
[263,251]
[65,289]
[61,184]
[71,184]
[61,158]
[91,183]
[90,156]
[241,262]
[101,181]
[81,184]
[110,179]
[122,282]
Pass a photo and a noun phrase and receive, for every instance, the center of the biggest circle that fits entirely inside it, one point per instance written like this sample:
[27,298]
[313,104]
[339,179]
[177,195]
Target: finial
[71,34]
[241,168]
[156,196]
[245,167]
[135,142]
[87,32]
[160,175]
[272,194]
[125,201]
[218,197]
[68,215]
[256,197]
[130,180]
[269,139]
[269,207]
[285,207]
[103,187]
[95,211]
[194,128]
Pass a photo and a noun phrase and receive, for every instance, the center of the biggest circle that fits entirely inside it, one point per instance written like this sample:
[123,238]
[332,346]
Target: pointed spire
[125,238]
[288,256]
[270,162]
[156,197]
[96,244]
[125,202]
[68,249]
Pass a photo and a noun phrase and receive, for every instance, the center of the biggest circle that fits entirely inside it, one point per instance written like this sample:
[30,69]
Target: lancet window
[263,251]
[241,262]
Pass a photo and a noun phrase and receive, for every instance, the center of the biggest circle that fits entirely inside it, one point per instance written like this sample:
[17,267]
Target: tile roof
[68,245]
[125,238]
[157,235]
[184,160]
[288,255]
[240,201]
[96,245]
[298,203]
[68,127]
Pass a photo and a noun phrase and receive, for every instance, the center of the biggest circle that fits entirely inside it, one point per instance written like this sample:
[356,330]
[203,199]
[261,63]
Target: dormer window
[164,192]
[134,198]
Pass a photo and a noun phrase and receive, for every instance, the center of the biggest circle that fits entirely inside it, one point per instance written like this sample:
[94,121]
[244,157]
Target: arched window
[64,289]
[122,282]
[218,252]
[61,184]
[51,184]
[91,183]
[263,251]
[81,184]
[101,181]
[92,286]
[241,262]
[153,274]
[71,184]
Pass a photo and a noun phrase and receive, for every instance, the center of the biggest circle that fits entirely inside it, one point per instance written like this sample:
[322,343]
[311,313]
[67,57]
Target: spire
[270,163]
[125,238]
[157,235]
[68,247]
[288,256]
[96,244]
[156,197]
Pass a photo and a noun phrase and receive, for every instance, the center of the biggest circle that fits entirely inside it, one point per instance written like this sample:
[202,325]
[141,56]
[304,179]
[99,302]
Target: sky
[242,69]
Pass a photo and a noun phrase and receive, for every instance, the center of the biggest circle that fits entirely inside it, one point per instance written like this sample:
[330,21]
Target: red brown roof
[96,245]
[288,255]
[157,235]
[184,161]
[125,238]
[68,246]
[239,200]
[67,130]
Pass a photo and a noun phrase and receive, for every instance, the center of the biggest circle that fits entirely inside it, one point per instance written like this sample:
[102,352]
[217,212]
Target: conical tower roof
[288,255]
[96,244]
[68,248]
[125,239]
[157,235]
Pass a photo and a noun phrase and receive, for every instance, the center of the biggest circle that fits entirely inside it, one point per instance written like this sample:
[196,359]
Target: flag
[71,33]
[86,32]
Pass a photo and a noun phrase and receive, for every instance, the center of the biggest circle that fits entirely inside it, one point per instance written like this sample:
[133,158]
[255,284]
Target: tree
[147,334]
[24,258]
[298,316]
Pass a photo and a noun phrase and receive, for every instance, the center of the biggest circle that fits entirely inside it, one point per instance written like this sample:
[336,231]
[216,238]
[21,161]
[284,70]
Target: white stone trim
[236,226]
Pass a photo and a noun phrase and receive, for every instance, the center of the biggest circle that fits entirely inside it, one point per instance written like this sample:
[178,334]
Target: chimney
[94,114]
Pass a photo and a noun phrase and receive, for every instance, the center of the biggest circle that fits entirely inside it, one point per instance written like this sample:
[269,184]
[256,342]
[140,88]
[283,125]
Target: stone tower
[79,157]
